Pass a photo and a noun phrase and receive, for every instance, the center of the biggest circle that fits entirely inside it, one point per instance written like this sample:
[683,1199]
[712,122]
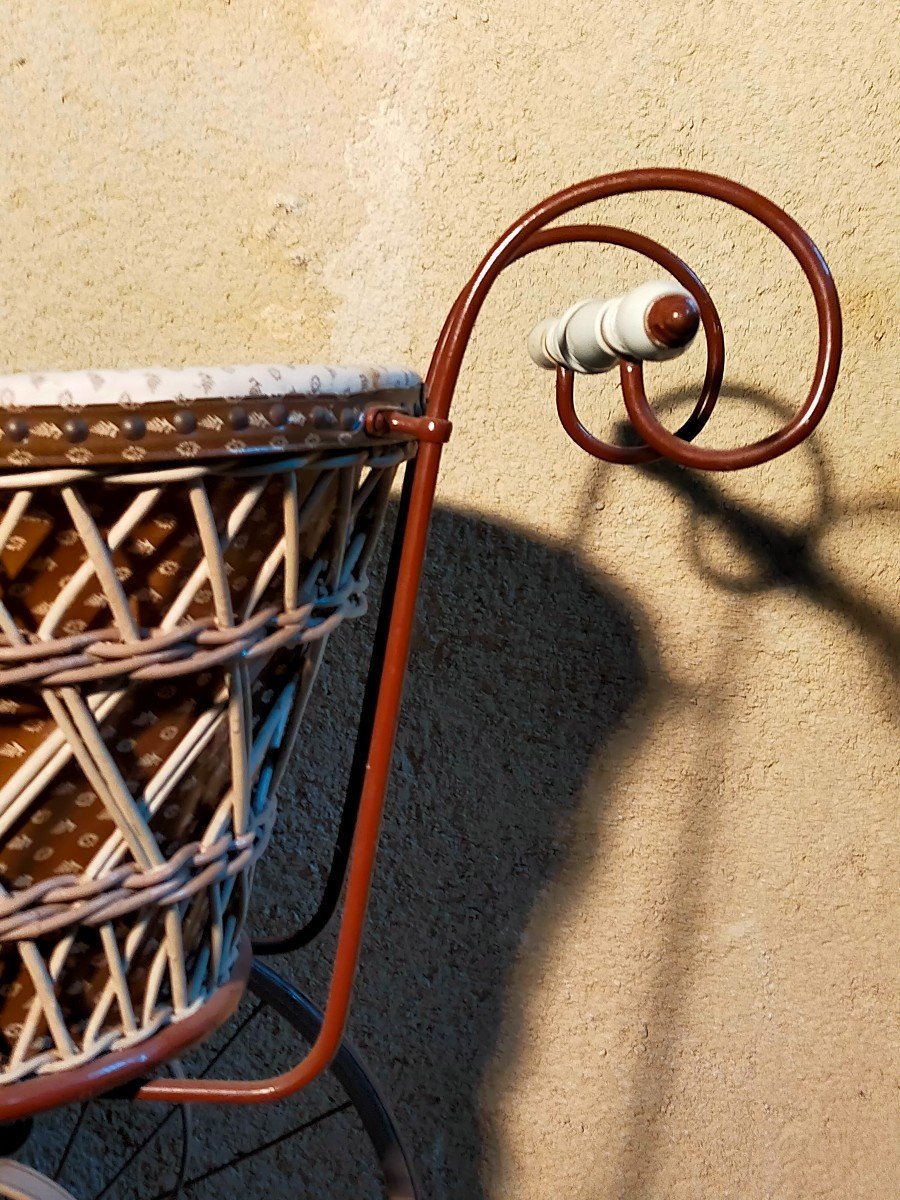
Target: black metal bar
[343,843]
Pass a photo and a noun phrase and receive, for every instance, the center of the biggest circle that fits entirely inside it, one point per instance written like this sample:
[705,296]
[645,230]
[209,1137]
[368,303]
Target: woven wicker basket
[175,550]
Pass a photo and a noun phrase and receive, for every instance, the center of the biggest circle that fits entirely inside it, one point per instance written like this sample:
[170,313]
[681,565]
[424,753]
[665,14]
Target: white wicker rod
[308,674]
[120,962]
[238,726]
[200,574]
[291,516]
[263,766]
[99,555]
[347,480]
[379,514]
[277,732]
[120,531]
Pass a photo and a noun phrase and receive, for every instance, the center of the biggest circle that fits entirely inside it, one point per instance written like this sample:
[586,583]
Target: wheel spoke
[70,1141]
[175,1168]
[186,1139]
[151,1136]
[161,1124]
[245,1155]
[251,1016]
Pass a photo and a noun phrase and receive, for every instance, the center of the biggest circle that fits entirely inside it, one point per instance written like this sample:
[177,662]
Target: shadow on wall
[525,664]
[782,554]
[773,554]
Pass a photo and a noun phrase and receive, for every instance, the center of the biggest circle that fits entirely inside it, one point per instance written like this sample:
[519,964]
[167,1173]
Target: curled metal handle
[529,234]
[709,319]
[811,411]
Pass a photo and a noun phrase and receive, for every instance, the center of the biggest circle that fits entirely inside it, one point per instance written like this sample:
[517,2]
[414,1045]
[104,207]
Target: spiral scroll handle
[530,233]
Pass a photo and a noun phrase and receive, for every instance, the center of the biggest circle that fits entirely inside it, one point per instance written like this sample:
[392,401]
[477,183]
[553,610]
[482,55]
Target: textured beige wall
[635,935]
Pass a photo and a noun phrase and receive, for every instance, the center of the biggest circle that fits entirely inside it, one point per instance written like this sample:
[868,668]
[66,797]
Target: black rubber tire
[391,1162]
[350,1071]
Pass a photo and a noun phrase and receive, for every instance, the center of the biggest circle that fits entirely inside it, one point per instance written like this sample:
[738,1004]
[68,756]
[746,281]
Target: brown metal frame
[372,761]
[45,1092]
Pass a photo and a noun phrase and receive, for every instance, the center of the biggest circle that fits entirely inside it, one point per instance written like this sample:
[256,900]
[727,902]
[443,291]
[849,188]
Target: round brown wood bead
[16,429]
[76,429]
[185,422]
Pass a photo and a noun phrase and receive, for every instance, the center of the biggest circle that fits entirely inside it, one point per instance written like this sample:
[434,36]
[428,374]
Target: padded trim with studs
[81,418]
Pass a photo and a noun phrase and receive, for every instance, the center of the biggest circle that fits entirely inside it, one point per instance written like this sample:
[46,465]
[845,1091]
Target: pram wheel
[337,1139]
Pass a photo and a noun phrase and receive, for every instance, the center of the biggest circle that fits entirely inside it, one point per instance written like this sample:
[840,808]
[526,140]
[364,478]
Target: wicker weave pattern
[192,648]
[159,636]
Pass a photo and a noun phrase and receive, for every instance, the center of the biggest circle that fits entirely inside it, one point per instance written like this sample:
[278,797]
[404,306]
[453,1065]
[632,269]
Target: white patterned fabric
[149,384]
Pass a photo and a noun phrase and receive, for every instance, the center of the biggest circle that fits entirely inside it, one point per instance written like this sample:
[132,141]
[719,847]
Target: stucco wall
[635,932]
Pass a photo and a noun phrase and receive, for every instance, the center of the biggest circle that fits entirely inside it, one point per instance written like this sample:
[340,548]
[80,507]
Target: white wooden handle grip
[655,321]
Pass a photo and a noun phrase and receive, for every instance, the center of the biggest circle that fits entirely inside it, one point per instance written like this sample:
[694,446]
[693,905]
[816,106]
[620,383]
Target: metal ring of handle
[709,317]
[447,359]
[828,313]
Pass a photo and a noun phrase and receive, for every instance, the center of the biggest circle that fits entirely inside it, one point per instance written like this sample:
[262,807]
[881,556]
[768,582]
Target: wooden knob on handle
[655,321]
[672,321]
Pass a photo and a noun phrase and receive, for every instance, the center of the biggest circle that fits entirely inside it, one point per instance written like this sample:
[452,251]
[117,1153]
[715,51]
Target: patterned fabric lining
[69,389]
